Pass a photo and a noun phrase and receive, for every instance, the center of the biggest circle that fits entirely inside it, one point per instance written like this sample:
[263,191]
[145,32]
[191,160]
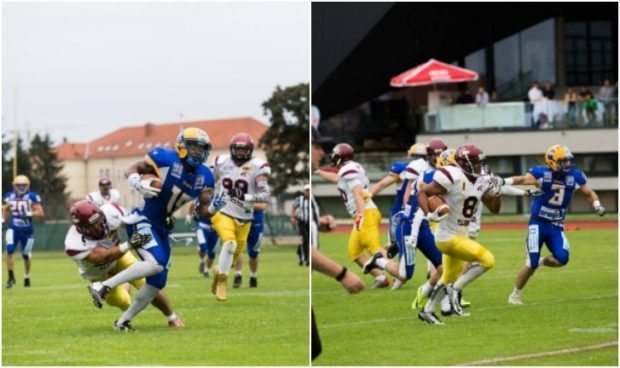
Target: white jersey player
[93,242]
[244,179]
[106,193]
[463,188]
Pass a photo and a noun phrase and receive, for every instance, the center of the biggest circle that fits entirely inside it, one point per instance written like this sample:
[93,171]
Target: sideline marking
[545,354]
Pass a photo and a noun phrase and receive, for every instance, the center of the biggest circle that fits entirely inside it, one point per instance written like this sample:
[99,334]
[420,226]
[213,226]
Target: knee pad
[487,260]
[230,246]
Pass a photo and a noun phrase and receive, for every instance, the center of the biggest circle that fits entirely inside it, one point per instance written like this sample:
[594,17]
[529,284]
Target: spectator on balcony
[607,95]
[482,97]
[548,90]
[464,97]
[535,94]
[590,105]
[570,99]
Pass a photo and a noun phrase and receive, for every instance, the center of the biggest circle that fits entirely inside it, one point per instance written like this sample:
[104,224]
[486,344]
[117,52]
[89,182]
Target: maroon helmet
[89,220]
[471,159]
[241,147]
[434,147]
[341,153]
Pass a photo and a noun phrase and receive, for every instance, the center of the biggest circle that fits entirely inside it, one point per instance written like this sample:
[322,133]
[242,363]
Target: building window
[506,56]
[589,53]
[538,53]
[476,61]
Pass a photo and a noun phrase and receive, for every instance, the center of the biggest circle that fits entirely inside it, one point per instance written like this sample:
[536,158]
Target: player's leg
[238,279]
[9,237]
[119,297]
[212,241]
[202,253]
[355,252]
[426,245]
[242,231]
[533,243]
[255,240]
[157,254]
[404,269]
[370,239]
[225,227]
[27,257]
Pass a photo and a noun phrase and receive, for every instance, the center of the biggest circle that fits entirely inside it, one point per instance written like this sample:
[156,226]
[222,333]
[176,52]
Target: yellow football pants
[368,237]
[231,229]
[458,251]
[119,296]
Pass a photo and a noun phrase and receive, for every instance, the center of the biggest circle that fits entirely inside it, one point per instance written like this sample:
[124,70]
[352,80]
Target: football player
[207,238]
[21,205]
[106,193]
[558,180]
[396,175]
[353,185]
[244,179]
[255,239]
[462,187]
[182,176]
[93,242]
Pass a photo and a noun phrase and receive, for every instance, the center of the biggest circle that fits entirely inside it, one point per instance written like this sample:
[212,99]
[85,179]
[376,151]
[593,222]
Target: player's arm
[260,206]
[527,179]
[429,190]
[208,203]
[6,211]
[141,167]
[263,192]
[325,265]
[408,191]
[329,176]
[389,179]
[492,202]
[294,212]
[592,198]
[101,255]
[37,210]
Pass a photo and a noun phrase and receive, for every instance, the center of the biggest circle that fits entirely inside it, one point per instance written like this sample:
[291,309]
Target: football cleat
[10,283]
[237,281]
[220,284]
[392,250]
[371,264]
[176,323]
[98,291]
[27,282]
[429,317]
[455,303]
[420,300]
[253,282]
[123,327]
[381,283]
[464,303]
[515,299]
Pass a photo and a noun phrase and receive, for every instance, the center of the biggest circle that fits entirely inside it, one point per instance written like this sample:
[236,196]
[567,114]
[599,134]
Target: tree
[286,142]
[8,154]
[46,179]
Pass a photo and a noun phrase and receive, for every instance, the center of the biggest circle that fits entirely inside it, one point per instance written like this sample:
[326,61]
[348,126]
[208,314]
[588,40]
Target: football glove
[137,240]
[143,186]
[358,221]
[434,216]
[218,201]
[533,192]
[600,210]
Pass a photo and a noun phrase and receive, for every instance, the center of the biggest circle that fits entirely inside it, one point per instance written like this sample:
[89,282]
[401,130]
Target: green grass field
[570,315]
[55,322]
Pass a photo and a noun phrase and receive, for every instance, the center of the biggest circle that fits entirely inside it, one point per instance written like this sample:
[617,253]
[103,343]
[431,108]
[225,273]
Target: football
[436,202]
[155,181]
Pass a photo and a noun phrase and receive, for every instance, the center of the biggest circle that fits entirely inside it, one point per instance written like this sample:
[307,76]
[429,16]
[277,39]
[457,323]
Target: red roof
[71,151]
[137,140]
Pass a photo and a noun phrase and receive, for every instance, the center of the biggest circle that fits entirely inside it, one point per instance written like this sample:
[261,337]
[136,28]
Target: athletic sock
[143,297]
[238,273]
[172,317]
[253,274]
[470,275]
[225,263]
[381,262]
[136,271]
[27,276]
[438,293]
[426,289]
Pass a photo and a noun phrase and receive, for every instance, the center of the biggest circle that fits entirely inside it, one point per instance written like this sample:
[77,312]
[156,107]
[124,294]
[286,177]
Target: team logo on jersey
[547,176]
[200,181]
[177,170]
[246,168]
[570,181]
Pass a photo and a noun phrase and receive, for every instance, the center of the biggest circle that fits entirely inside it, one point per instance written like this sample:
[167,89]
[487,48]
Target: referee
[300,216]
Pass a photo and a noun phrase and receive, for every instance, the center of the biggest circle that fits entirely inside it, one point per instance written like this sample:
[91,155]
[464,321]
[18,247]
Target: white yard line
[542,355]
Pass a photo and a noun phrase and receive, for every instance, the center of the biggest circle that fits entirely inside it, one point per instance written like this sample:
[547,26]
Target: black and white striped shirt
[302,208]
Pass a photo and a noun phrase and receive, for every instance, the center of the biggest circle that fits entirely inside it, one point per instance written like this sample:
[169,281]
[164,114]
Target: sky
[82,70]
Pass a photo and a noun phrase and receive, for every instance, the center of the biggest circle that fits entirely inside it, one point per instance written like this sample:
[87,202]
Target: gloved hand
[137,240]
[533,192]
[400,216]
[600,210]
[143,186]
[434,216]
[358,221]
[219,201]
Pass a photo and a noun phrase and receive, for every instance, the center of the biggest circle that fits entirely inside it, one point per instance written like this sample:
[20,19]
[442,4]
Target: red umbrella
[431,72]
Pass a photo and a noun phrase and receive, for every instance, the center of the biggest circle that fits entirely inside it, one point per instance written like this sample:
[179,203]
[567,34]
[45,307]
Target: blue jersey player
[183,176]
[396,176]
[255,239]
[558,181]
[21,205]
